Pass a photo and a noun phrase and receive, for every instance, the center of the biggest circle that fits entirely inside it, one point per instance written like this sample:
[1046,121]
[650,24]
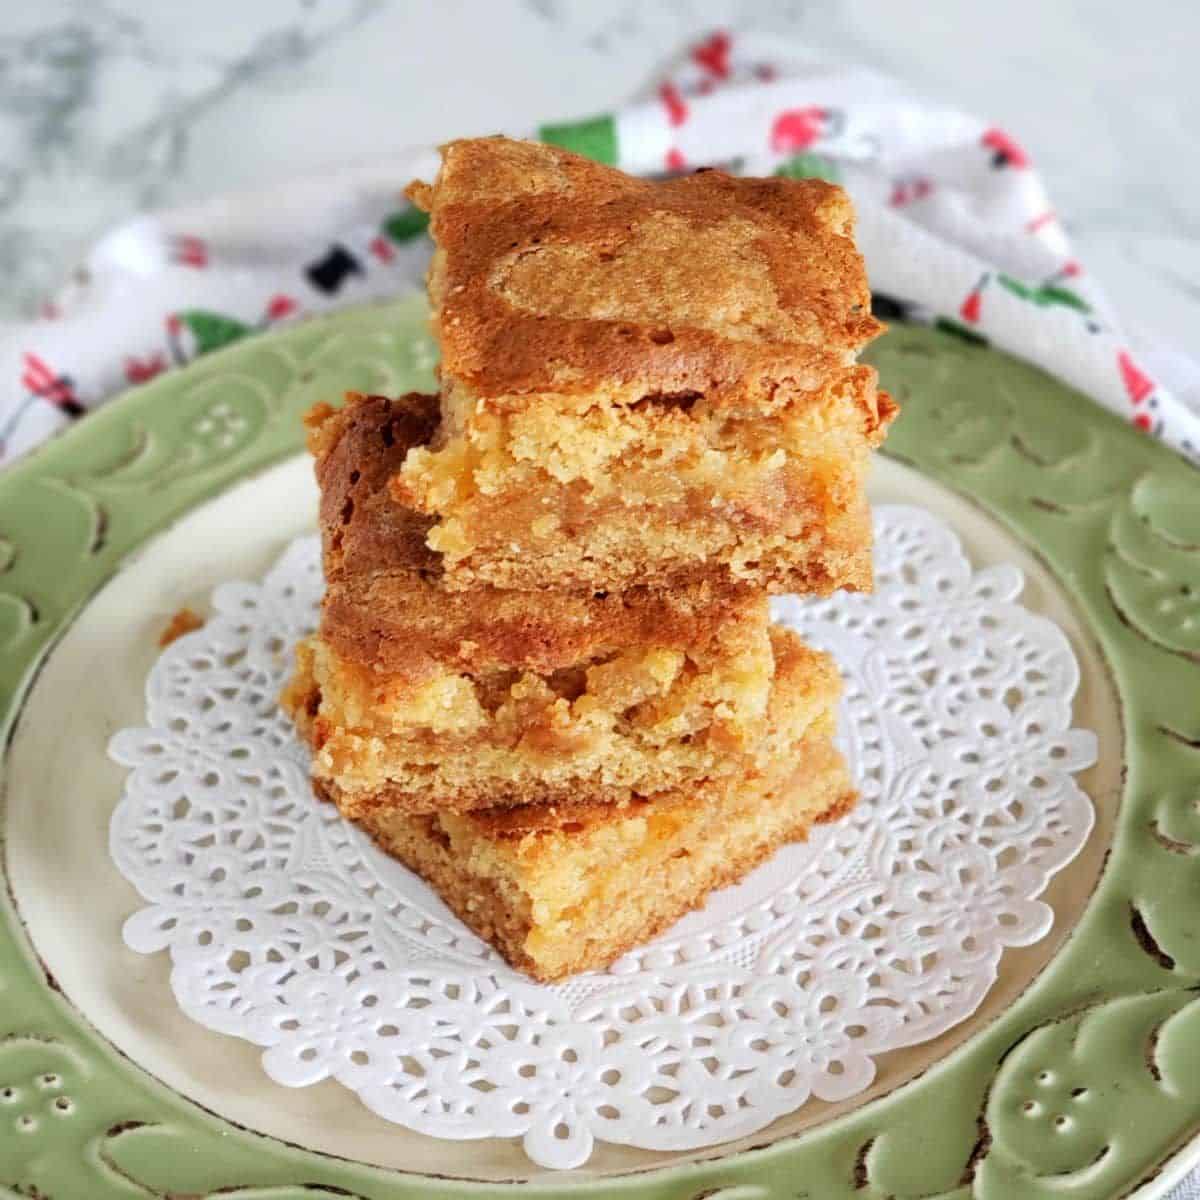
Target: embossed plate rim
[1052,480]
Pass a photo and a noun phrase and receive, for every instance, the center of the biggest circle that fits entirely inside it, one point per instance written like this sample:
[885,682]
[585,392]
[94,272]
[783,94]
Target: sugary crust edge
[503,927]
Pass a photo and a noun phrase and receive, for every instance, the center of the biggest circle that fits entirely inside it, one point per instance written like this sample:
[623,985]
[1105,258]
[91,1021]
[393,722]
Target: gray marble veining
[112,107]
[97,104]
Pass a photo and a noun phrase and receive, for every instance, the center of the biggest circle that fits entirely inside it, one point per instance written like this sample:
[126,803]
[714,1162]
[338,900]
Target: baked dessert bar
[386,604]
[644,382]
[461,700]
[638,723]
[569,887]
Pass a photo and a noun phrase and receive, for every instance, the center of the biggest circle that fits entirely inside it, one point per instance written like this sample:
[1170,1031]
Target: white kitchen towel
[954,222]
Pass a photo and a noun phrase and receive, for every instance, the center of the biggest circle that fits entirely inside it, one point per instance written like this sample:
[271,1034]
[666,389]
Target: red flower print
[1143,421]
[190,251]
[39,379]
[1040,220]
[1005,150]
[174,325]
[797,129]
[382,249]
[279,307]
[713,55]
[971,309]
[905,191]
[675,160]
[139,370]
[1138,385]
[677,109]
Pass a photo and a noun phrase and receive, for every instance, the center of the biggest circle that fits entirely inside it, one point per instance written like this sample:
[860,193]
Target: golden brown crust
[611,351]
[356,449]
[546,758]
[646,864]
[401,625]
[555,273]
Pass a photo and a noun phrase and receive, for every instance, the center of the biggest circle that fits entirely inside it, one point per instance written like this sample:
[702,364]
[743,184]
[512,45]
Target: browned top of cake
[555,273]
[384,606]
[800,674]
[356,450]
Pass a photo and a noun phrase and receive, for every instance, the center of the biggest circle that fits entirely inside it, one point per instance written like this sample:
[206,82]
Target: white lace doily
[288,928]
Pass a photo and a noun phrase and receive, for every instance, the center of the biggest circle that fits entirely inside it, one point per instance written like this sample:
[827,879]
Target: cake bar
[461,700]
[568,887]
[635,725]
[644,382]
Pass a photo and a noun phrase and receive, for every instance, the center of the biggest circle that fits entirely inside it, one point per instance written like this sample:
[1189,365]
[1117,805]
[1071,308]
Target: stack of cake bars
[545,676]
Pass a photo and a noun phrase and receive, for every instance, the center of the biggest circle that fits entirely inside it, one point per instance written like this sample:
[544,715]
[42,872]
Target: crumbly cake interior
[387,605]
[558,891]
[544,676]
[649,382]
[671,490]
[644,721]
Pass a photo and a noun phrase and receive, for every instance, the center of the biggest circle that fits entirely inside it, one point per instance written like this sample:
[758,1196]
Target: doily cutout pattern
[288,928]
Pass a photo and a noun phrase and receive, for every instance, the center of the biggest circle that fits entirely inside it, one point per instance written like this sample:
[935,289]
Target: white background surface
[108,107]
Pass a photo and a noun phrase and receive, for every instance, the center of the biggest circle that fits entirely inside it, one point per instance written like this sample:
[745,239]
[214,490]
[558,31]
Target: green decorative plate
[1080,1074]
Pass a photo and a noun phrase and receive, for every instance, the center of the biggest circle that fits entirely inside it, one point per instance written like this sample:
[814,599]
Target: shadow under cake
[569,887]
[644,382]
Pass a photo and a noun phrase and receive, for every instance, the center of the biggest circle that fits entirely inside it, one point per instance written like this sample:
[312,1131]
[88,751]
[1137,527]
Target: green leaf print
[212,330]
[407,224]
[1053,293]
[595,138]
[810,166]
[1044,295]
[958,330]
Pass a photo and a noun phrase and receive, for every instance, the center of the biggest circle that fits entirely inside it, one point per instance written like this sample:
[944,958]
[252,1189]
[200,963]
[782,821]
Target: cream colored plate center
[62,789]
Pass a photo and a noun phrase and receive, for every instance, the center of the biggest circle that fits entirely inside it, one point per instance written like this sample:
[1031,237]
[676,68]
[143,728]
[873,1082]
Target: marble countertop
[111,106]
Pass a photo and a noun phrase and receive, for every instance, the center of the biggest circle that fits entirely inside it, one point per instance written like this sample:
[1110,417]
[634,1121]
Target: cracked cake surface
[644,382]
[431,699]
[567,885]
[544,676]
